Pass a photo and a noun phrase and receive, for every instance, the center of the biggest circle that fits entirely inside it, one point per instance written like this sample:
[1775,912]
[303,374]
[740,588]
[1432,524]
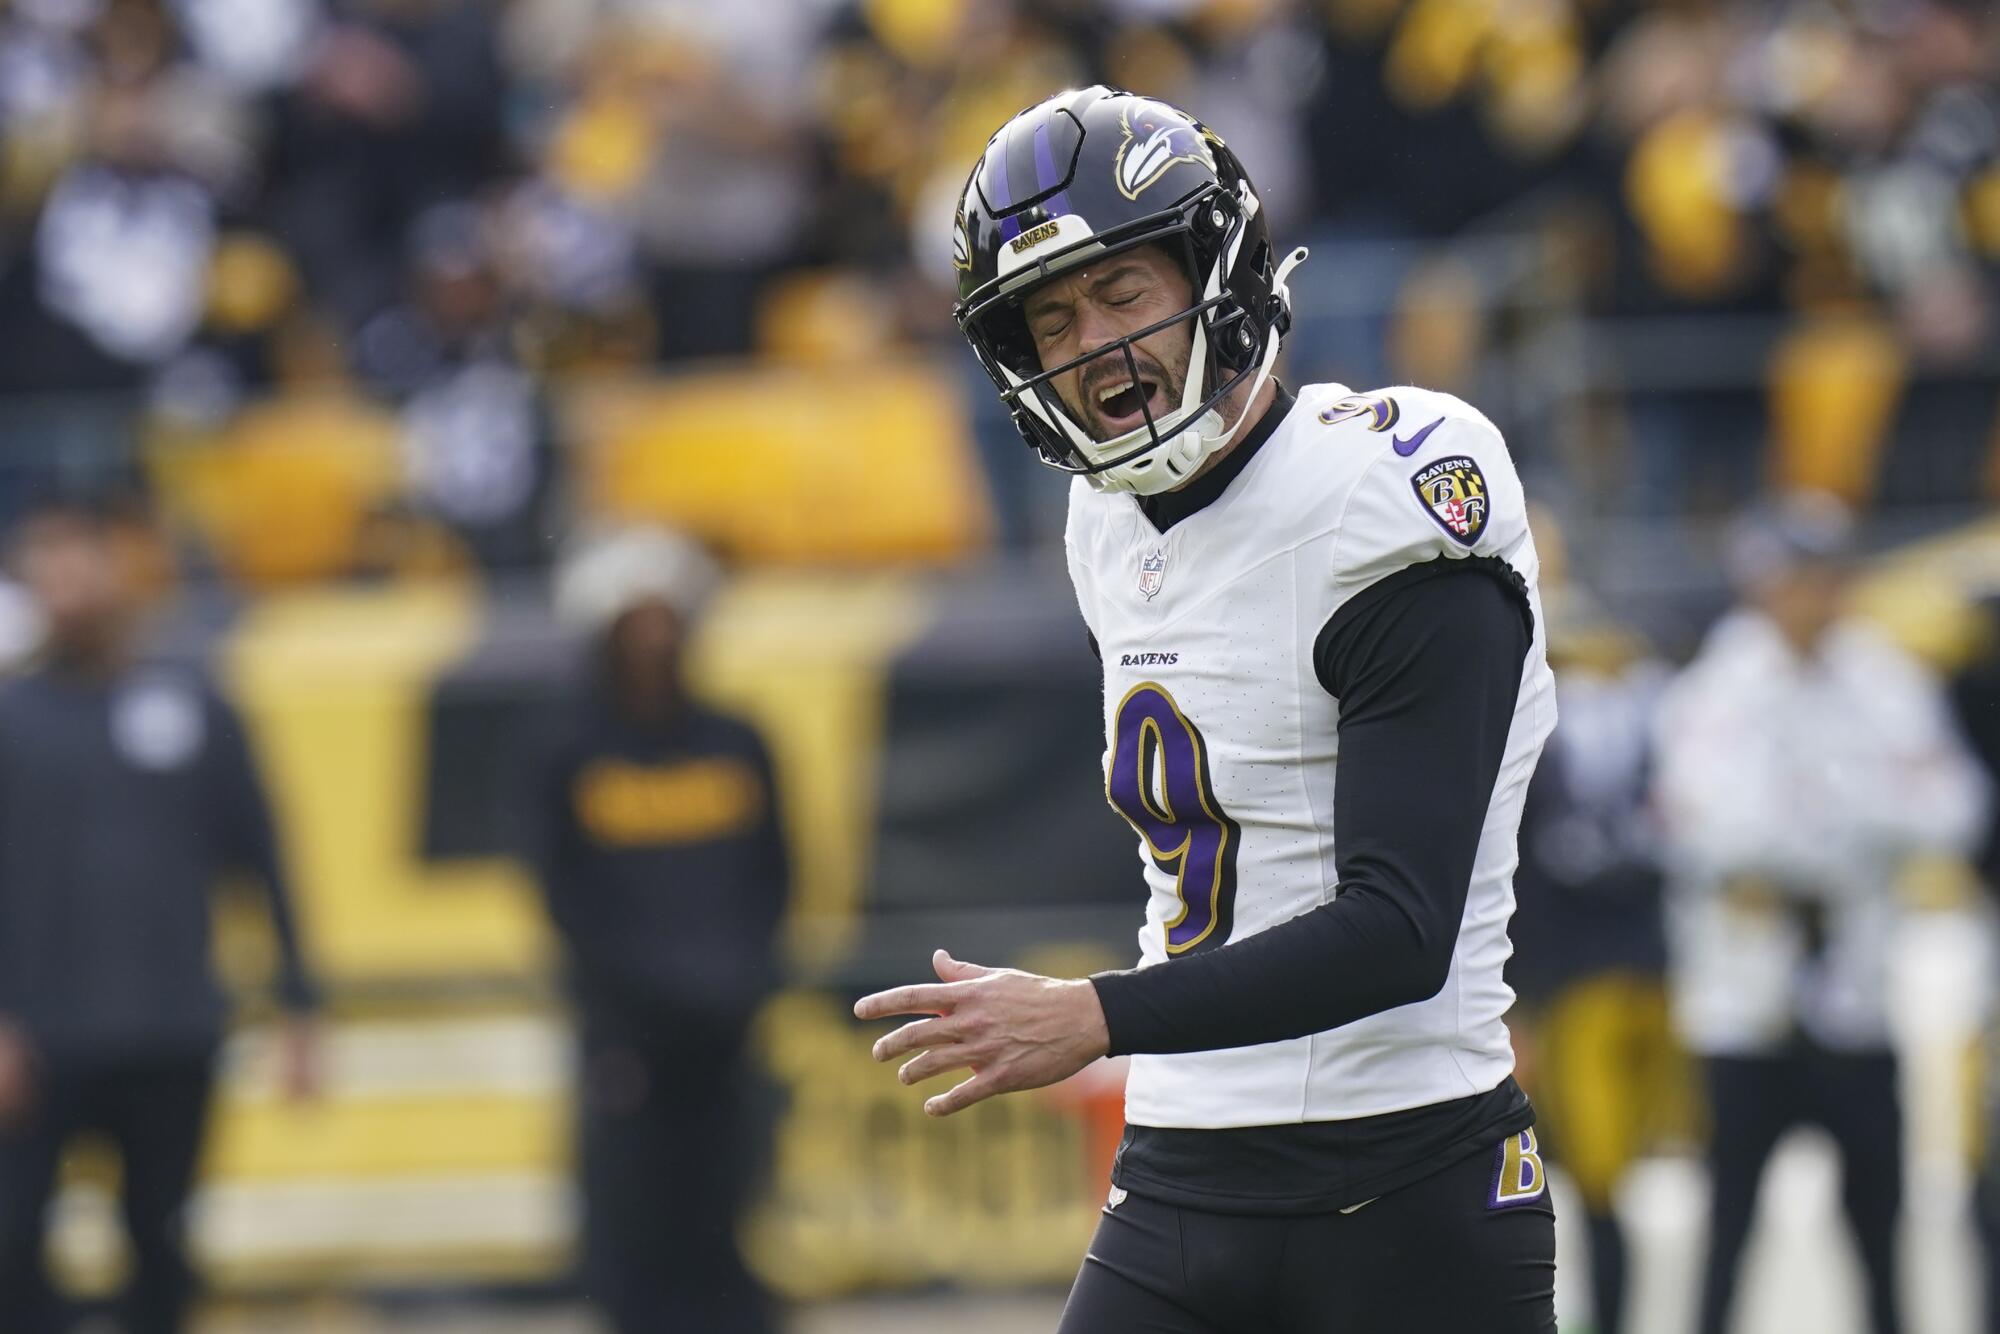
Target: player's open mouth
[1122,404]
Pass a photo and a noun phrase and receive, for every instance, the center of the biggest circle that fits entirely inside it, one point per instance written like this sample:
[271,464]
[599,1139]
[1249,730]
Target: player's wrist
[1106,990]
[1091,1025]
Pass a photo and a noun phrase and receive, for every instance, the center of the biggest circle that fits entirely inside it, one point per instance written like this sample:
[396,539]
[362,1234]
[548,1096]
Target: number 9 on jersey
[1158,780]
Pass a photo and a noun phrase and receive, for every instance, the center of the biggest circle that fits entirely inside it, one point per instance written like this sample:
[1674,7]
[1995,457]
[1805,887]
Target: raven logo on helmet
[1156,137]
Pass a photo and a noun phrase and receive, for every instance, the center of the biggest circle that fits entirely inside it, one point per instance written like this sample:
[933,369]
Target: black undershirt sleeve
[1426,665]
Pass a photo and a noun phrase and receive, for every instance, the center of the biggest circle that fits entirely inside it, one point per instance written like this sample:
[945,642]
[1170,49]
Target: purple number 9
[1159,782]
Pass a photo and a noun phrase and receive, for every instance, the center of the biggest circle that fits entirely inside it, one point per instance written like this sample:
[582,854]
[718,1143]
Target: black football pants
[665,1156]
[155,1111]
[1436,1257]
[1753,1102]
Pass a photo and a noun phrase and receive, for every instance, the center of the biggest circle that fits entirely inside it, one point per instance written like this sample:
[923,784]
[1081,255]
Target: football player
[1325,691]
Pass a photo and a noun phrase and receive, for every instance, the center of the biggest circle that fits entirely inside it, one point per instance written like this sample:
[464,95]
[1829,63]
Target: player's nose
[1095,329]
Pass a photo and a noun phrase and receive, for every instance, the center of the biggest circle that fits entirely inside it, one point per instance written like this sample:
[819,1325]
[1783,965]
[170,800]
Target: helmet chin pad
[1172,463]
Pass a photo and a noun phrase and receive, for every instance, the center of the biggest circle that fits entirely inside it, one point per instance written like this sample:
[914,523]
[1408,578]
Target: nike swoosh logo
[1415,442]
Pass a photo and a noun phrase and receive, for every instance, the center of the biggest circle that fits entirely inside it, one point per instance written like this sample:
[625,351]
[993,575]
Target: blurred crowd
[444,207]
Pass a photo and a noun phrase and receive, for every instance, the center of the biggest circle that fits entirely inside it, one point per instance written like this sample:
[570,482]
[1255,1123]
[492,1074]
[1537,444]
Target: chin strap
[1279,288]
[1280,304]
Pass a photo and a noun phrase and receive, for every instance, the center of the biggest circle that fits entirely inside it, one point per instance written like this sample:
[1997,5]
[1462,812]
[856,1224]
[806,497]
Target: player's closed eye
[1048,333]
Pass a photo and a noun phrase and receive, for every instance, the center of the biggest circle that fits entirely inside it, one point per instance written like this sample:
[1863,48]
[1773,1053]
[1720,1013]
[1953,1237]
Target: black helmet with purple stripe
[1086,174]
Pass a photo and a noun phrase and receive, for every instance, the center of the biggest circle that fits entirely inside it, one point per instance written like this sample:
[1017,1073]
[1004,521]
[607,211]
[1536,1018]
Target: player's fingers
[956,970]
[924,998]
[914,1036]
[961,1096]
[934,1062]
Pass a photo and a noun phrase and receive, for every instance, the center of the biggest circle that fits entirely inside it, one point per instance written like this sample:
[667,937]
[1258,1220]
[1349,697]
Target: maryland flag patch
[1454,491]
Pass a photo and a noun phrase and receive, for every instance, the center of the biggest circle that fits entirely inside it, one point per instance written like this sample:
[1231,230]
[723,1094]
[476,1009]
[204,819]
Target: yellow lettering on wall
[622,804]
[336,686]
[867,1190]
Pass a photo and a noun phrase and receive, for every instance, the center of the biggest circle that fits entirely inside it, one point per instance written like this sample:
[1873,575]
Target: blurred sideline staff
[656,834]
[1592,1032]
[1975,691]
[1803,760]
[126,789]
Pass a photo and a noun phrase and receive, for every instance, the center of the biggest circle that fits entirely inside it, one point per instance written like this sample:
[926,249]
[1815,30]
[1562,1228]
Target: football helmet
[1084,175]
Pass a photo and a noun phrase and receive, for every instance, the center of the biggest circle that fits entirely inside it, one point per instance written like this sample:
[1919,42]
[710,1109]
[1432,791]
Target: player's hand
[1013,1030]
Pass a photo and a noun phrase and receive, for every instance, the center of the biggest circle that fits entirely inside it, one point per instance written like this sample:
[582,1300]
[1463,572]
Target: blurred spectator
[126,788]
[1803,761]
[141,145]
[659,847]
[1589,965]
[397,108]
[475,431]
[1812,164]
[1909,189]
[1975,690]
[682,120]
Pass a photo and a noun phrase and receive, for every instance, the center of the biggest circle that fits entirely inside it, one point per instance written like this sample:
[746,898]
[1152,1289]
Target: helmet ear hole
[1232,340]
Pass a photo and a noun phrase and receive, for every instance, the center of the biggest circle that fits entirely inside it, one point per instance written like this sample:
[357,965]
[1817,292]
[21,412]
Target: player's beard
[1112,368]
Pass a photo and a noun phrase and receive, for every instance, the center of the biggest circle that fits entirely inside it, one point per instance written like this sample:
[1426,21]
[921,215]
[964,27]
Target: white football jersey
[1222,747]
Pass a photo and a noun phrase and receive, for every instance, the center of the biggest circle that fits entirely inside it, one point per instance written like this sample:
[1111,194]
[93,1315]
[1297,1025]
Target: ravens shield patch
[1454,491]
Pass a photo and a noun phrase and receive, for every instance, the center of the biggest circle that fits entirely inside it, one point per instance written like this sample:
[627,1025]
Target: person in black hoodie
[127,788]
[655,832]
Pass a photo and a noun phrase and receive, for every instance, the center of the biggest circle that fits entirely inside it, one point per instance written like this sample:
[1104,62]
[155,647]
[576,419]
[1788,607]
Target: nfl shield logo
[1152,572]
